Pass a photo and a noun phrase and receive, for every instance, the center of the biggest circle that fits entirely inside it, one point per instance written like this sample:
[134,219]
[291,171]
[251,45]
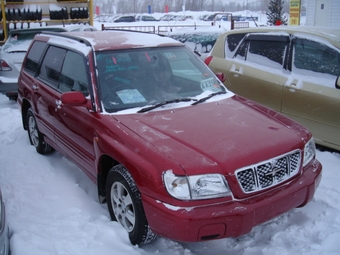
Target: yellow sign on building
[294,12]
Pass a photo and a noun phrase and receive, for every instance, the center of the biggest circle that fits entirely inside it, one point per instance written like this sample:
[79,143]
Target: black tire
[2,35]
[36,138]
[125,206]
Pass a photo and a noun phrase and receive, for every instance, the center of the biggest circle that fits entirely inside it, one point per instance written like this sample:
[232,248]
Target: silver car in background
[4,237]
[13,51]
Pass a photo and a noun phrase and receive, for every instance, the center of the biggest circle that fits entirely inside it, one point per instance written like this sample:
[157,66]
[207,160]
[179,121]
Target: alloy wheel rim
[32,127]
[122,206]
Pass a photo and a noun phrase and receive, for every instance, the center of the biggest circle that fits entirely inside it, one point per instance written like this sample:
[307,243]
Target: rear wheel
[125,205]
[36,138]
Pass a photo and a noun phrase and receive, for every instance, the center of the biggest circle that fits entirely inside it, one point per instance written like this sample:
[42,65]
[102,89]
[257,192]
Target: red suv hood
[221,136]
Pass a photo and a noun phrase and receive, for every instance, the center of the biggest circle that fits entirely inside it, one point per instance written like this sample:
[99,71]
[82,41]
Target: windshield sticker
[130,96]
[121,79]
[170,55]
[209,85]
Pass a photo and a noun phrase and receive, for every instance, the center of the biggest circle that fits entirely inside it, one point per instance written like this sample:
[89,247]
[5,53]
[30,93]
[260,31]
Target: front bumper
[8,84]
[232,218]
[9,88]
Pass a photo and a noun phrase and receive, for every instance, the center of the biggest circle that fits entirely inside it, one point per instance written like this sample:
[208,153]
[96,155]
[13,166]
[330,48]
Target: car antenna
[62,16]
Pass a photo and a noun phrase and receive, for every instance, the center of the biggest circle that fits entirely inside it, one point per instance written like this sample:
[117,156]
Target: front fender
[143,160]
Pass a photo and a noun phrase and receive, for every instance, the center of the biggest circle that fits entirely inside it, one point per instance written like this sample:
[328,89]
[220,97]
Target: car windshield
[146,77]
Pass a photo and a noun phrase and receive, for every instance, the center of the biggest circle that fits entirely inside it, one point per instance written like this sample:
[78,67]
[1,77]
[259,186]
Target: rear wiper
[209,96]
[178,100]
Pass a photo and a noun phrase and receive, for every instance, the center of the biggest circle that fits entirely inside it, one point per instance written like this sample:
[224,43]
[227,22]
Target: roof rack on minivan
[81,40]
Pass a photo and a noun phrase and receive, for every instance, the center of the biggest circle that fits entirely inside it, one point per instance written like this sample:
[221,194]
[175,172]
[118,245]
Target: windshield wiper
[178,100]
[209,96]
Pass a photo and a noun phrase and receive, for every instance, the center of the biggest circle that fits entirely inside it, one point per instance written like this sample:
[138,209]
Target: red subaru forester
[172,151]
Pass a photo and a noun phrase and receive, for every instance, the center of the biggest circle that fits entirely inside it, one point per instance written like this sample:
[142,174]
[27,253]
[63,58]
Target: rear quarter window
[315,57]
[232,41]
[34,55]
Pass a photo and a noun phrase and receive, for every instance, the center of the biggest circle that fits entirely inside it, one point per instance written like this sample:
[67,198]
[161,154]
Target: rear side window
[261,51]
[34,55]
[231,43]
[265,50]
[51,65]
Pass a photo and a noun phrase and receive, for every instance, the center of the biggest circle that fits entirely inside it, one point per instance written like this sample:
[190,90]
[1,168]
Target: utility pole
[247,9]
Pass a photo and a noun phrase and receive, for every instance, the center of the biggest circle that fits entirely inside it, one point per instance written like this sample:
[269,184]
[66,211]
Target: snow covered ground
[52,209]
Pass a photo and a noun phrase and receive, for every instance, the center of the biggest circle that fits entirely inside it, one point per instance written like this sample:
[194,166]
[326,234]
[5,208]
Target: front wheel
[36,138]
[125,205]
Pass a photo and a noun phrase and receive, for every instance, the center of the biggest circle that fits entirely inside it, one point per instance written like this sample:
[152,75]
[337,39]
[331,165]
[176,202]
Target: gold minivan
[293,70]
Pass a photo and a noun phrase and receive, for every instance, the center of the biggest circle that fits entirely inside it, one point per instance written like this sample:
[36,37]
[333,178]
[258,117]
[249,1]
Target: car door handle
[35,88]
[292,85]
[236,71]
[58,103]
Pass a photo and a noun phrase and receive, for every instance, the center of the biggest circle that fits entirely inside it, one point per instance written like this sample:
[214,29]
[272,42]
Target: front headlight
[196,187]
[309,152]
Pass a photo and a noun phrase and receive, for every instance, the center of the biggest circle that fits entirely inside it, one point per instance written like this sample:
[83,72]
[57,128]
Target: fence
[164,30]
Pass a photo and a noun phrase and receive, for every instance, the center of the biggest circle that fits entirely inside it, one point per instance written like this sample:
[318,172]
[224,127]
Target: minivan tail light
[208,60]
[221,77]
[4,66]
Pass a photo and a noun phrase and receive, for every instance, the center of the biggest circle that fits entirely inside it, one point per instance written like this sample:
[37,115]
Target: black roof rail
[81,40]
[37,30]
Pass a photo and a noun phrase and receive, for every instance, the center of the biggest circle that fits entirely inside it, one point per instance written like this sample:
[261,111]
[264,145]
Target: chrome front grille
[269,173]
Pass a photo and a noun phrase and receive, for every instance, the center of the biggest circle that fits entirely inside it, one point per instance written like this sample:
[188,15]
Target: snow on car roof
[110,40]
[330,34]
[114,40]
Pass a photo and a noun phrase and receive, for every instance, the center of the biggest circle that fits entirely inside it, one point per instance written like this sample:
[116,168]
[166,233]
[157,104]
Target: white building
[323,13]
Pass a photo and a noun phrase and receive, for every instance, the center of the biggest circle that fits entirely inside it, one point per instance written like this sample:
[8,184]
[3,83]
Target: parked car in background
[175,17]
[125,19]
[13,51]
[208,17]
[200,40]
[4,233]
[146,18]
[293,70]
[173,152]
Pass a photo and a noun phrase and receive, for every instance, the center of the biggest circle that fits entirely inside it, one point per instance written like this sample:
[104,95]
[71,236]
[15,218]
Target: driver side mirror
[337,83]
[75,98]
